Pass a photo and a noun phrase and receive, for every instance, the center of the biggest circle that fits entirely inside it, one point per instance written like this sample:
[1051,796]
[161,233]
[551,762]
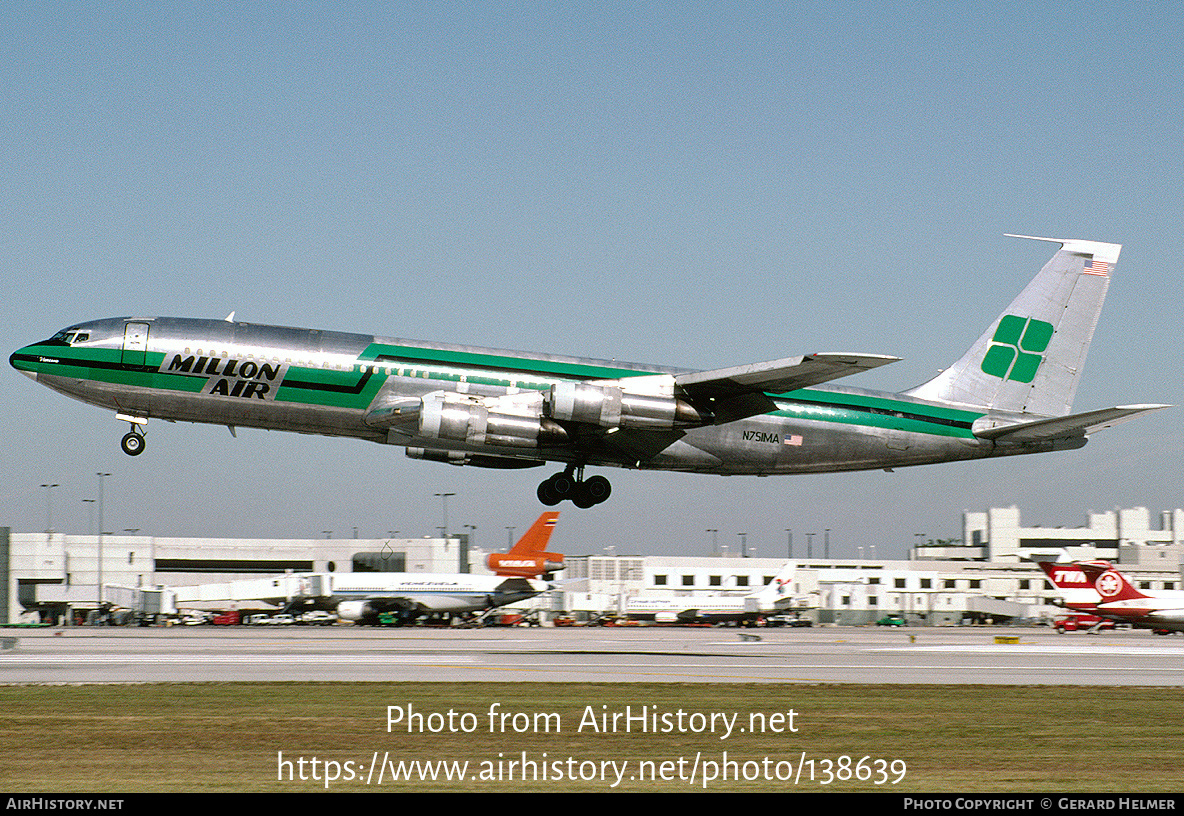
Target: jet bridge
[279,589]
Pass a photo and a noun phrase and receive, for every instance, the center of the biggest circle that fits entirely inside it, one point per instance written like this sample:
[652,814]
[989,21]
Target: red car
[1080,623]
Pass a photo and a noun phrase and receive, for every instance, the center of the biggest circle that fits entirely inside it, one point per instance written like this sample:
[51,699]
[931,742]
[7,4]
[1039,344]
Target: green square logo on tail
[1016,347]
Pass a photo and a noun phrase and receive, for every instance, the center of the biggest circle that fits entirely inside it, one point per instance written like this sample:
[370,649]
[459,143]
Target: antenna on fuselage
[230,317]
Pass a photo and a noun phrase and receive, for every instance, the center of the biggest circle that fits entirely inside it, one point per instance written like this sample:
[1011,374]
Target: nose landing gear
[133,441]
[570,484]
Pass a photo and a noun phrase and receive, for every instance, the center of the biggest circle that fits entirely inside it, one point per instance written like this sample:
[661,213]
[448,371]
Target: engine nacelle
[473,423]
[612,407]
[355,610]
[437,455]
[475,459]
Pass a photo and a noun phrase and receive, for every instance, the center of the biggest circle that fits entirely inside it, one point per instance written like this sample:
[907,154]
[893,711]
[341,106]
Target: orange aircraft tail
[527,558]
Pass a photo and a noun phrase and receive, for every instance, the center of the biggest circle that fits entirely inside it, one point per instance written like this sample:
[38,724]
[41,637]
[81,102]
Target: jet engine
[355,610]
[473,423]
[612,407]
[474,459]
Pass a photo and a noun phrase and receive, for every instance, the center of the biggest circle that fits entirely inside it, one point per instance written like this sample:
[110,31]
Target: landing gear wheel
[581,497]
[547,495]
[598,488]
[563,485]
[566,485]
[132,444]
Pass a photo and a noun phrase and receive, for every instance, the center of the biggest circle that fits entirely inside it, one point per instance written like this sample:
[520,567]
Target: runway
[962,655]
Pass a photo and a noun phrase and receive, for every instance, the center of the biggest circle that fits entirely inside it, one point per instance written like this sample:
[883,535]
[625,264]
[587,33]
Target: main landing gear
[583,493]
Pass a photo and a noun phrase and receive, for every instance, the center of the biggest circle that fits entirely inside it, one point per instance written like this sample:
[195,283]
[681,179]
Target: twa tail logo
[1065,575]
[1069,577]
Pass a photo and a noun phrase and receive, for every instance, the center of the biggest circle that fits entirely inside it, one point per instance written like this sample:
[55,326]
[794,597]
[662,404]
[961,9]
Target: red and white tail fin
[528,558]
[1110,584]
[1070,579]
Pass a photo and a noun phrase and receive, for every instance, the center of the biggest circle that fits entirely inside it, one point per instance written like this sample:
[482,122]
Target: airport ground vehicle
[317,618]
[891,620]
[1081,623]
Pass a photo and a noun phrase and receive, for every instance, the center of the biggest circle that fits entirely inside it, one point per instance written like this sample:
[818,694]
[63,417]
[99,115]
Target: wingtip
[1099,249]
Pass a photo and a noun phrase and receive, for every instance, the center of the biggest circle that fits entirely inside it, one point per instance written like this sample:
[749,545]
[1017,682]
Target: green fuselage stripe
[876,412]
[417,357]
[355,387]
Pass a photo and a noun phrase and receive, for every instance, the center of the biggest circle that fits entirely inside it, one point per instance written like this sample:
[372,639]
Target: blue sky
[692,184]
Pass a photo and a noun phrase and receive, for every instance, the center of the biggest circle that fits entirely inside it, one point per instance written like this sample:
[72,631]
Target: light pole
[826,543]
[49,508]
[444,507]
[90,520]
[510,536]
[100,559]
[743,544]
[714,541]
[789,543]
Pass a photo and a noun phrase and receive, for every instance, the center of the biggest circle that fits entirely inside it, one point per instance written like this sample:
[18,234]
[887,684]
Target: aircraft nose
[19,360]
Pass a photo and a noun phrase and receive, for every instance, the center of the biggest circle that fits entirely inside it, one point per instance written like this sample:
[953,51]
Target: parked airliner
[527,558]
[362,596]
[1009,394]
[770,599]
[1098,588]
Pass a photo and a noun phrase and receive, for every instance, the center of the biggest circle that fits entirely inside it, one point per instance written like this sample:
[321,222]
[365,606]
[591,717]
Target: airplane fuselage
[357,596]
[380,389]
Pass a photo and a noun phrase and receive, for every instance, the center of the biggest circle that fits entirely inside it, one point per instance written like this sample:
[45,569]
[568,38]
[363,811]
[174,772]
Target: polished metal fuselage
[321,382]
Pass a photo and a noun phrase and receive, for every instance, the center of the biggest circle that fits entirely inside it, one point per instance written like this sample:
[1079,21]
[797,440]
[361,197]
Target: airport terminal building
[990,577]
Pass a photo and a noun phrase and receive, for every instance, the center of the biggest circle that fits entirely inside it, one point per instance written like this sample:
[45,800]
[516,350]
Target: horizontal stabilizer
[739,391]
[1074,425]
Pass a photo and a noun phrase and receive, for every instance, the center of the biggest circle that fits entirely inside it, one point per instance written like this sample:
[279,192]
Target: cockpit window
[68,337]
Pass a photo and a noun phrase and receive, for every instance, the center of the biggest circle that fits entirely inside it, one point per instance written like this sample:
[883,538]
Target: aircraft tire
[598,488]
[547,495]
[582,497]
[132,444]
[563,486]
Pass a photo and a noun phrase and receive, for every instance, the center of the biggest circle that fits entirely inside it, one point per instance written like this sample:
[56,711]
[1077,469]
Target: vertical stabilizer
[1111,584]
[535,539]
[528,558]
[780,588]
[1029,359]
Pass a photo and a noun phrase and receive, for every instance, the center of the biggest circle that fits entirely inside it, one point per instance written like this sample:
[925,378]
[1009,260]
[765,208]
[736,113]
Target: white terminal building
[989,577]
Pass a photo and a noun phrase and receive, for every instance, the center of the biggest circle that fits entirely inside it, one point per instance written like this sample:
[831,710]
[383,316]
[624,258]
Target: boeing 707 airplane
[1009,394]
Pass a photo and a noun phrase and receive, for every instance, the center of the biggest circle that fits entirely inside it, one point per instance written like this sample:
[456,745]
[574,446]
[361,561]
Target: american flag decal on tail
[1096,267]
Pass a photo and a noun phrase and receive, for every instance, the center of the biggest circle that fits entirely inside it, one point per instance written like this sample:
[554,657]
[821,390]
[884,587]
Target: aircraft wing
[389,603]
[1074,425]
[740,391]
